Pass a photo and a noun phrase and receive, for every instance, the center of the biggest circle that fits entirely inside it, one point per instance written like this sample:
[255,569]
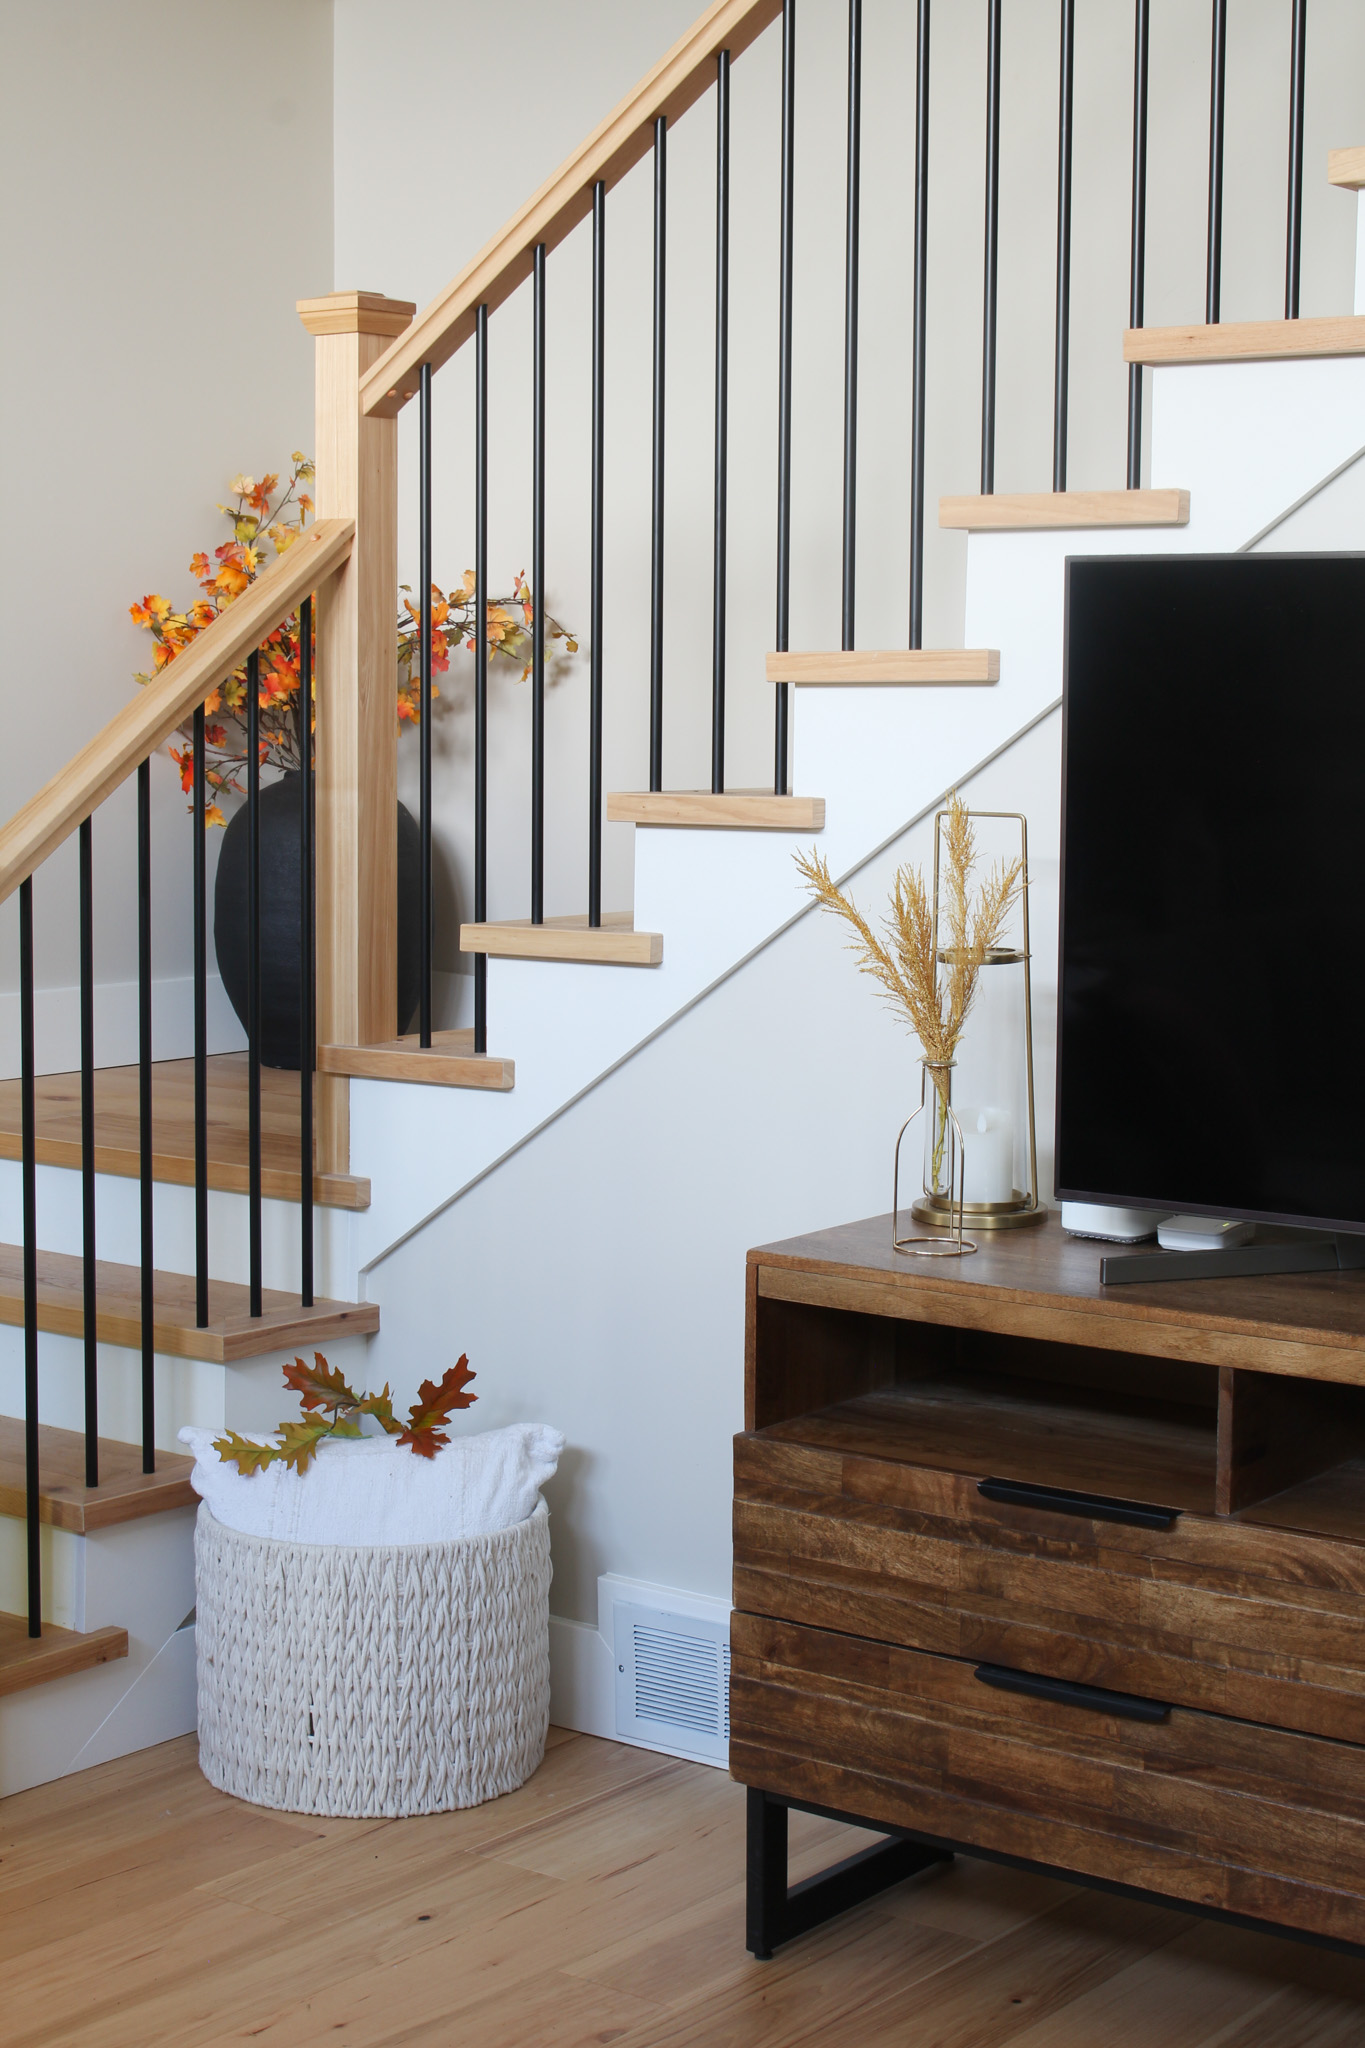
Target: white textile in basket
[368,1490]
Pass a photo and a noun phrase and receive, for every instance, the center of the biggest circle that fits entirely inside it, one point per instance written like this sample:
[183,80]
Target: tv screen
[1211,1002]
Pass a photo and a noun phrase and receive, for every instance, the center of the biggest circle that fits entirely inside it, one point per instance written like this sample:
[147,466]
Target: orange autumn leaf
[424,1431]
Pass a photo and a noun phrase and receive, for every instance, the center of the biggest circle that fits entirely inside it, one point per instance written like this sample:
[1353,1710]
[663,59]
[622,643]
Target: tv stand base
[1239,1262]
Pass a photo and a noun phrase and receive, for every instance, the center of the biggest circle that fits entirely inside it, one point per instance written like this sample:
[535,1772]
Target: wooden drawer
[1252,1820]
[1215,1613]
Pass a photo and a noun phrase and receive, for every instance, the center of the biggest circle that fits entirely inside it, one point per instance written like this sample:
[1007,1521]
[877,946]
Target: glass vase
[942,1152]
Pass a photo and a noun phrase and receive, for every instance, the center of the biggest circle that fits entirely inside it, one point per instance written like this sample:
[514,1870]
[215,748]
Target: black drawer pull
[1060,1500]
[1096,1699]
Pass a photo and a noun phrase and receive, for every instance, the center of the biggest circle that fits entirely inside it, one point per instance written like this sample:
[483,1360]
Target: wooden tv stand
[1159,1689]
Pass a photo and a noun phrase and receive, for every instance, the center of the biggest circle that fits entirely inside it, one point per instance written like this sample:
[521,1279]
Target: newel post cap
[356,313]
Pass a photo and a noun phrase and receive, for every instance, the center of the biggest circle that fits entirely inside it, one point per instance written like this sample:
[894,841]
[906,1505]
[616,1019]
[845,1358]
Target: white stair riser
[62,1558]
[1248,439]
[249,1395]
[118,1229]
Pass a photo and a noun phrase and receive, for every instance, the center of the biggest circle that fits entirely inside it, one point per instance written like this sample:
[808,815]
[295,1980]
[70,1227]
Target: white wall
[167,171]
[596,1278]
[408,218]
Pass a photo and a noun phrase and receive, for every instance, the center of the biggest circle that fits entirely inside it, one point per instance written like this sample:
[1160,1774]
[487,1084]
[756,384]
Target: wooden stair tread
[915,665]
[27,1660]
[450,1061]
[125,1493]
[116,1128]
[1056,511]
[1247,341]
[751,810]
[614,942]
[232,1332]
[1346,167]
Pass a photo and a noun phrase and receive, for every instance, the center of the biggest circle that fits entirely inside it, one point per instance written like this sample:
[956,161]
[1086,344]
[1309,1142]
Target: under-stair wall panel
[594,1277]
[140,1576]
[879,756]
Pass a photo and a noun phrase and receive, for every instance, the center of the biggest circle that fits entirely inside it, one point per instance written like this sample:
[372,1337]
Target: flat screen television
[1211,999]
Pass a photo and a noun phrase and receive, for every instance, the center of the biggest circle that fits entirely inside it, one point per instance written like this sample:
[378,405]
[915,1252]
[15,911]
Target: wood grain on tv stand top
[1041,1283]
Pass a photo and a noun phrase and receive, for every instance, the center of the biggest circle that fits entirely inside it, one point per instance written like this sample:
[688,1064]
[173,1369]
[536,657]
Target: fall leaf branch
[333,1409]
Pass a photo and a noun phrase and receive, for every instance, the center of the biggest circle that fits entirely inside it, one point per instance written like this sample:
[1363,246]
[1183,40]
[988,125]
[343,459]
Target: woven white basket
[372,1681]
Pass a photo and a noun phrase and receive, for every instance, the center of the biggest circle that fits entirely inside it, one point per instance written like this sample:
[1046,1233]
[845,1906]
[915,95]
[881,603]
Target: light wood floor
[602,1903]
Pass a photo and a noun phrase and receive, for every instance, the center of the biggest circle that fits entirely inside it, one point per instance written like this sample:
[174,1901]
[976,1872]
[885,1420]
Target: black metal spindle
[599,338]
[29,1150]
[991,264]
[144,1112]
[201,1034]
[1213,289]
[253,975]
[1062,356]
[89,1301]
[307,950]
[424,689]
[722,492]
[1294,233]
[781,704]
[852,199]
[656,522]
[481,669]
[920,322]
[538,592]
[1138,269]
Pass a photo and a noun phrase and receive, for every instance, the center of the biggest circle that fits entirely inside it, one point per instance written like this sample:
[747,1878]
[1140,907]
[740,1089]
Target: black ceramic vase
[281,898]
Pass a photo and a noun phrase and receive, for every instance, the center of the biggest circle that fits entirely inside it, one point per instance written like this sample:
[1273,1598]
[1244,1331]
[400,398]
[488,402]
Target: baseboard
[57,1024]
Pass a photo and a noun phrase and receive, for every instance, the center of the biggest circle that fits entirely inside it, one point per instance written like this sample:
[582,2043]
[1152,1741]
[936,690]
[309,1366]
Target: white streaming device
[1111,1225]
[1201,1234]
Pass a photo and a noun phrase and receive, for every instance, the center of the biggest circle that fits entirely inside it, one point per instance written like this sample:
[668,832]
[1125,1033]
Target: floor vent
[672,1679]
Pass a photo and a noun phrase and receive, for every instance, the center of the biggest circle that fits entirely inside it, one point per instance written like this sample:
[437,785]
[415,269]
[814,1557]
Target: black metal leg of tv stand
[778,1912]
[1238,1262]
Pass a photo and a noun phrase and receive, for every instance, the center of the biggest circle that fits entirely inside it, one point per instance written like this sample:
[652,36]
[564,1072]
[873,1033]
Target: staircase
[666,1084]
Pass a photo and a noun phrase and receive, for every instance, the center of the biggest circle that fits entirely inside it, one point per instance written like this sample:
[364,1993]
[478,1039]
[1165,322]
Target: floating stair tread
[450,1061]
[27,1660]
[1248,341]
[615,942]
[1057,511]
[1346,167]
[744,810]
[116,1128]
[916,665]
[232,1332]
[125,1494]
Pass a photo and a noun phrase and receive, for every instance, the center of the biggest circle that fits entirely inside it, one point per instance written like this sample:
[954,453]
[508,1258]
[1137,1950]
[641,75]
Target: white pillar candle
[988,1155]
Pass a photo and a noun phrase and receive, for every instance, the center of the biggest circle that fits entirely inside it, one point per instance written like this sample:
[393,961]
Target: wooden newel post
[357,727]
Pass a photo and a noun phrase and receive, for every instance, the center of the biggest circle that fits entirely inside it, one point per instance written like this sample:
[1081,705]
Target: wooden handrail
[143,725]
[564,200]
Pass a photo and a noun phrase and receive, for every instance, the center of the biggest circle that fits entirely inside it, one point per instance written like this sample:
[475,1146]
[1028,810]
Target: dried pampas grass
[936,1006]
